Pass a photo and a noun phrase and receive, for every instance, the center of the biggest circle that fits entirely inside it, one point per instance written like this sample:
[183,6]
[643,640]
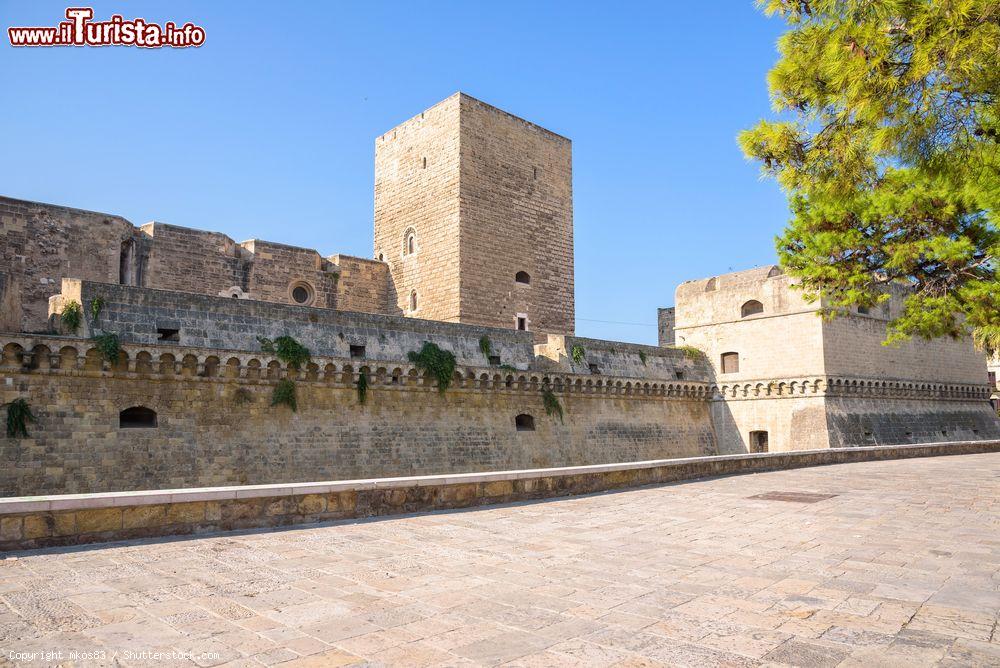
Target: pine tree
[888,147]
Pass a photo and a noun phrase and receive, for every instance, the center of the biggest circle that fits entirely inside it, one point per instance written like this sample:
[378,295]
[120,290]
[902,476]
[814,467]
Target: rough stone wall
[854,421]
[784,341]
[40,244]
[792,423]
[813,383]
[665,322]
[216,425]
[278,268]
[516,215]
[135,315]
[417,188]
[852,346]
[362,285]
[629,360]
[193,260]
[10,303]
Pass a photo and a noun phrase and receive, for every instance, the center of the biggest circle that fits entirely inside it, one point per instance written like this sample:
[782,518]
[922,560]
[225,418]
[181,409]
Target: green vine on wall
[551,403]
[18,416]
[96,306]
[439,363]
[486,347]
[287,349]
[579,354]
[362,387]
[72,315]
[284,393]
[642,357]
[108,346]
[691,352]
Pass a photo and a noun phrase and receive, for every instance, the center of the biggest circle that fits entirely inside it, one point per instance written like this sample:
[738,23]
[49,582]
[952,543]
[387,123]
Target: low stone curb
[30,522]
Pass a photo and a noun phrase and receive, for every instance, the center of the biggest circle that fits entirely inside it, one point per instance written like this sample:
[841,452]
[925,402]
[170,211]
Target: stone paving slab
[900,567]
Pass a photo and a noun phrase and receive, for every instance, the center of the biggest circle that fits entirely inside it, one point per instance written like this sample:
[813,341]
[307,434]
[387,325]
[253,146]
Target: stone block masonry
[215,425]
[36,522]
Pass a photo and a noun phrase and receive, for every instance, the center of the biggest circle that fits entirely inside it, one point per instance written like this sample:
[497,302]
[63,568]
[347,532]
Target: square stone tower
[474,216]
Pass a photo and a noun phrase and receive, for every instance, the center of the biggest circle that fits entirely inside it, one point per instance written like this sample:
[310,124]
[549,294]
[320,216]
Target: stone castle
[473,251]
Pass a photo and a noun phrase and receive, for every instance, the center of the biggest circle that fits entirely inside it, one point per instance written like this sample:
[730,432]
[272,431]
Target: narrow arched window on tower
[413,300]
[409,241]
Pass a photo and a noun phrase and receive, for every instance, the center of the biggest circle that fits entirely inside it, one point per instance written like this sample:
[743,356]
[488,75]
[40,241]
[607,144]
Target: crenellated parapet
[829,386]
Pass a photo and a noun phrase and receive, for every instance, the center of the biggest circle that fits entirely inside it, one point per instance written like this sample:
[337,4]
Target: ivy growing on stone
[642,357]
[486,347]
[96,306]
[72,315]
[18,416]
[362,387]
[287,349]
[439,363]
[691,352]
[578,354]
[284,393]
[551,403]
[108,346]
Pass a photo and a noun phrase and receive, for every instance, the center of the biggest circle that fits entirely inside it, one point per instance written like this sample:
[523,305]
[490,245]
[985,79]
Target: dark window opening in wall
[137,417]
[126,263]
[413,300]
[678,375]
[167,334]
[944,432]
[302,293]
[409,242]
[357,351]
[522,323]
[752,307]
[758,441]
[864,310]
[522,277]
[494,360]
[992,376]
[524,422]
[594,368]
[730,362]
[381,257]
[534,172]
[425,163]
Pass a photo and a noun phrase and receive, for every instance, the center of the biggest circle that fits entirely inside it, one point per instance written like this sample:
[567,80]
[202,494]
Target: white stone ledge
[60,502]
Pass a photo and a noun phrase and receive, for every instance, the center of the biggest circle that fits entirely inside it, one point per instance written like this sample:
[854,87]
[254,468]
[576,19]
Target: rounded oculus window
[302,294]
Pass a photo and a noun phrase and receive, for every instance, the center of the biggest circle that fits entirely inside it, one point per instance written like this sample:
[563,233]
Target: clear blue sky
[268,130]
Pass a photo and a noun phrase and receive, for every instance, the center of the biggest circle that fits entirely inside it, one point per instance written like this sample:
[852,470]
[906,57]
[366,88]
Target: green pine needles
[439,363]
[72,315]
[551,403]
[284,394]
[579,354]
[18,416]
[108,346]
[287,349]
[362,387]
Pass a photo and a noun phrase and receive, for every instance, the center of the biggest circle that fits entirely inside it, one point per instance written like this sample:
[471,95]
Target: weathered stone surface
[697,574]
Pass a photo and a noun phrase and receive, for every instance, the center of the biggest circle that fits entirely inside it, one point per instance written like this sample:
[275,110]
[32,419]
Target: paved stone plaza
[900,567]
